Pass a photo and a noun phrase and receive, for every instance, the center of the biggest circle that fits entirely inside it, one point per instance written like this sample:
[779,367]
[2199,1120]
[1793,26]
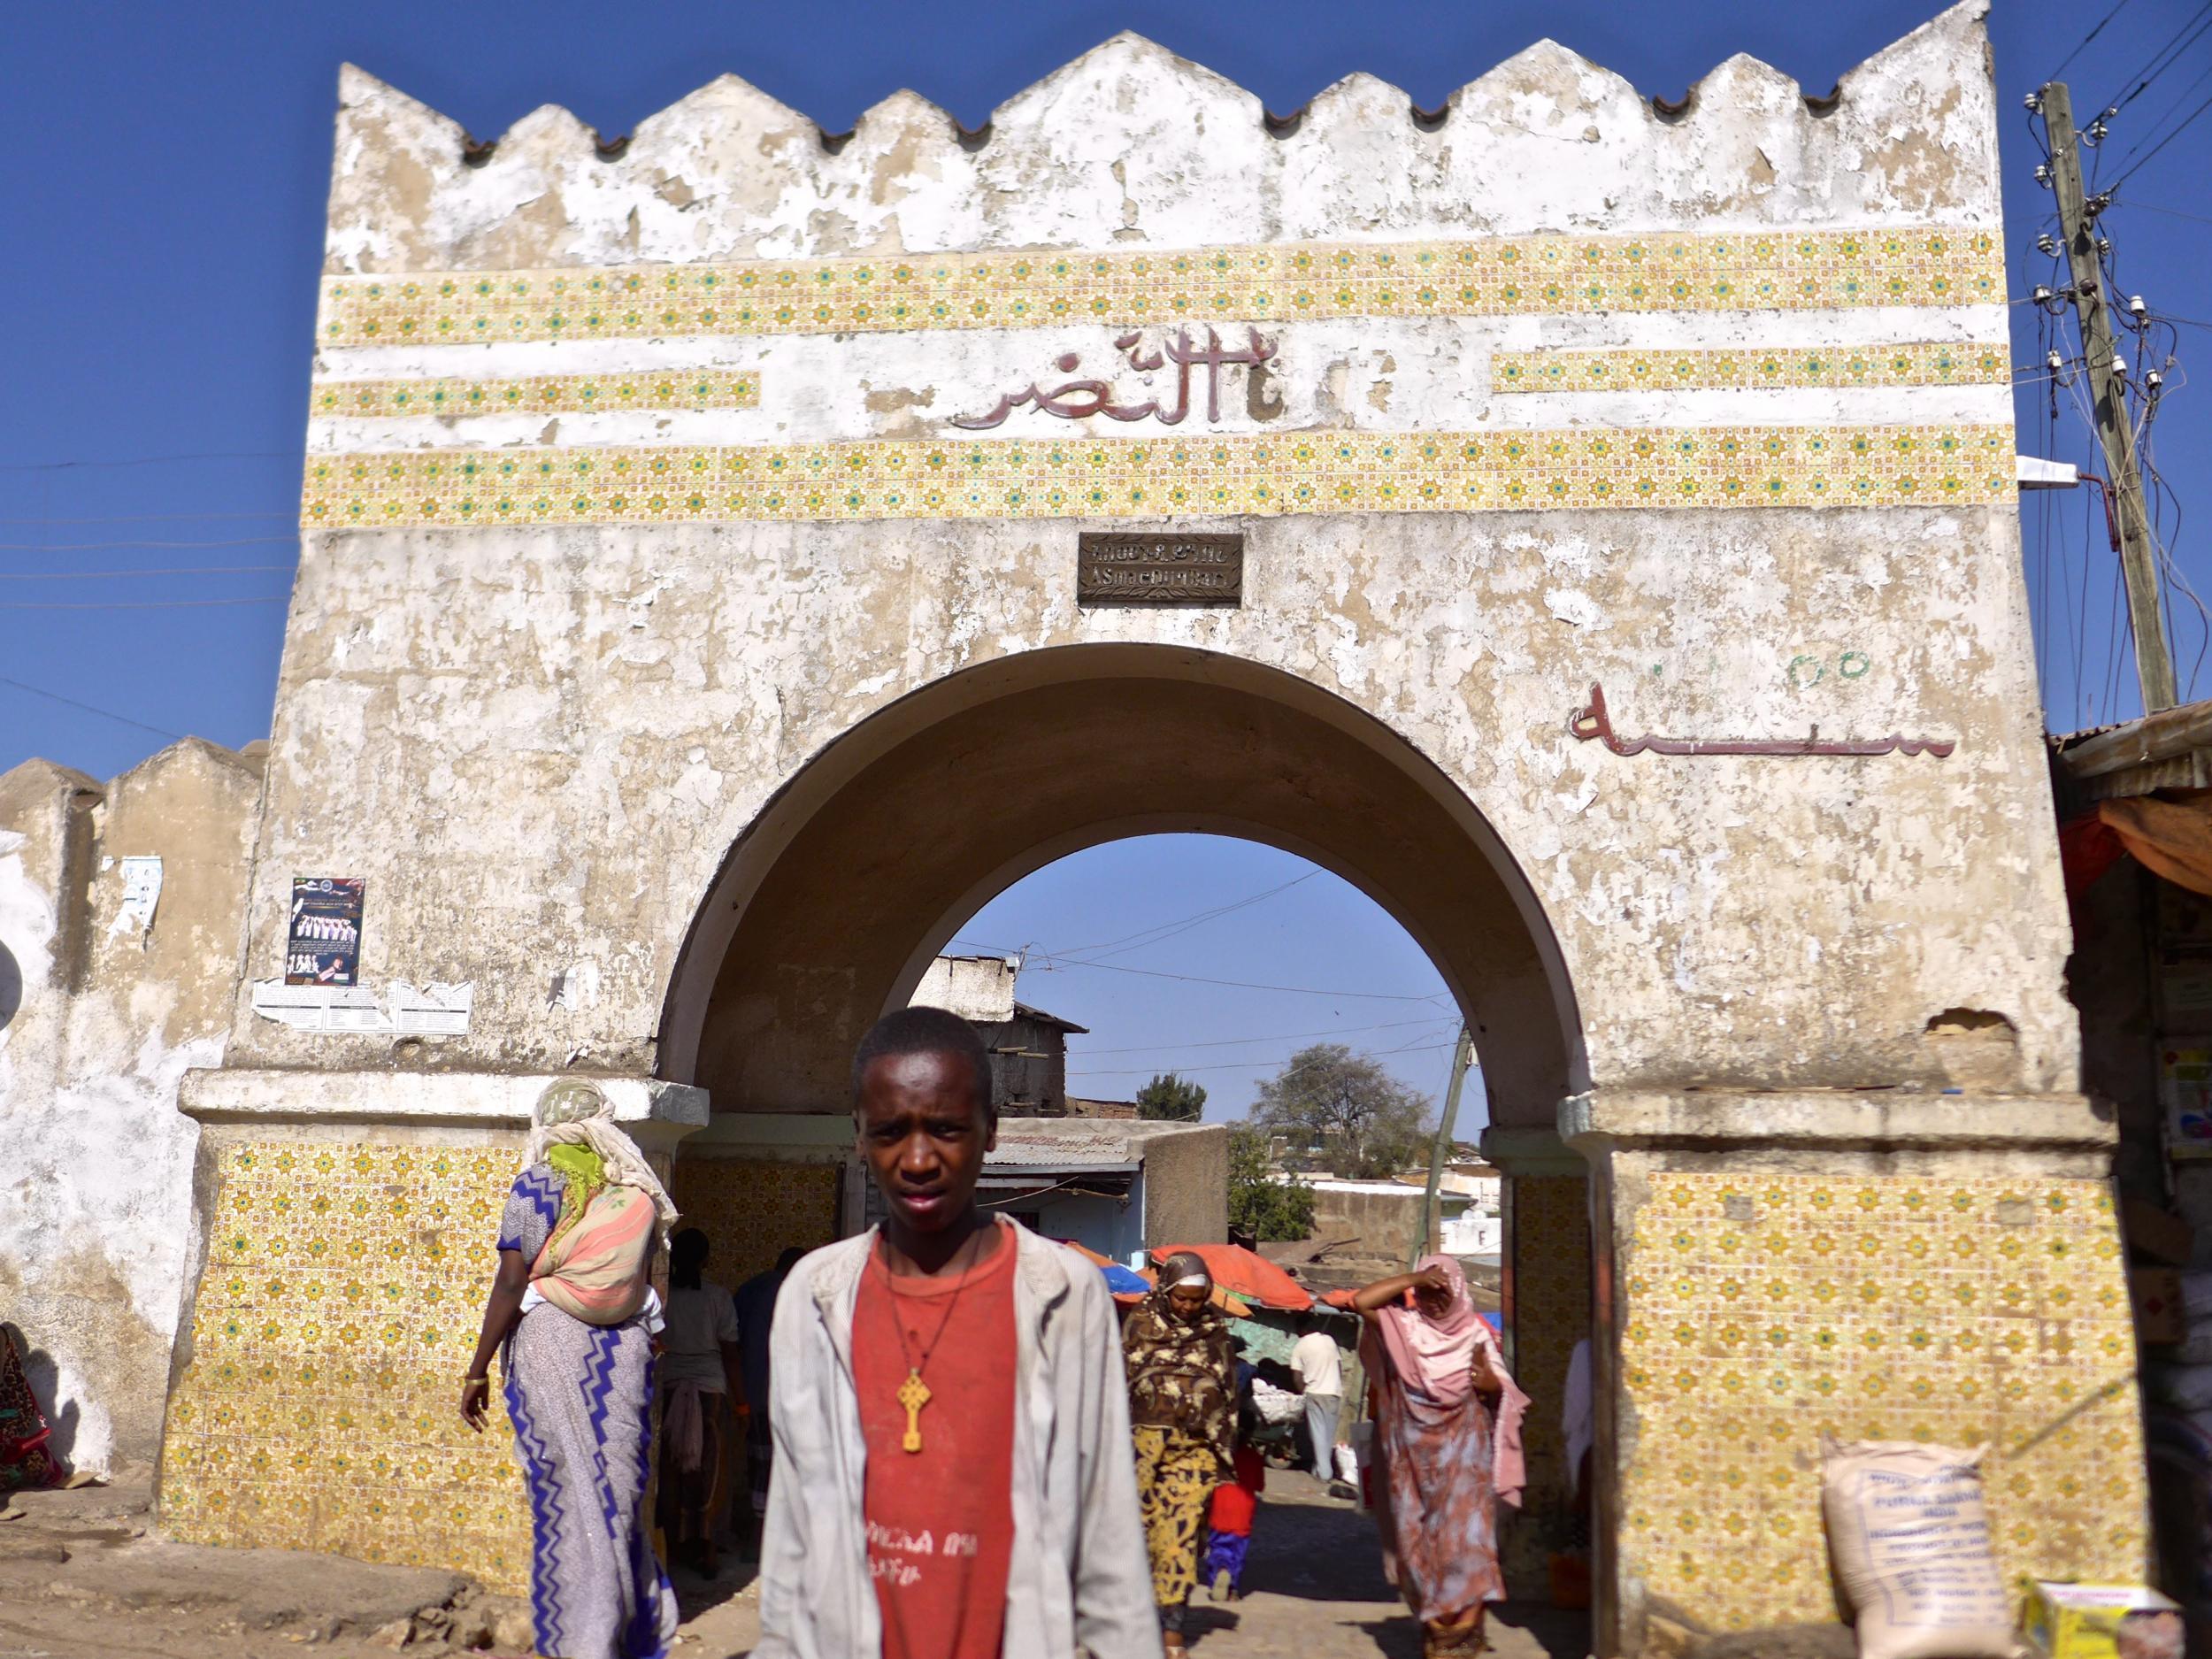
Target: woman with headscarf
[1448,1440]
[572,1314]
[1183,1415]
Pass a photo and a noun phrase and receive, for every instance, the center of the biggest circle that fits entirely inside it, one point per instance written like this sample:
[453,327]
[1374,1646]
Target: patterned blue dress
[580,1397]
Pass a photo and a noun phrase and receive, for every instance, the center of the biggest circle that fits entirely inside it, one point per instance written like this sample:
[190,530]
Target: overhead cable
[105,714]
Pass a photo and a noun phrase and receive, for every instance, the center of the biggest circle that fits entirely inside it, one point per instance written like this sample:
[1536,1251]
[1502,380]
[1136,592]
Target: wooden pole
[1461,1057]
[2138,554]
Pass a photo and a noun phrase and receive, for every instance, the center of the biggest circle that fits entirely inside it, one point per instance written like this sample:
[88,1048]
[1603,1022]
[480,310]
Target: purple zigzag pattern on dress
[544,1517]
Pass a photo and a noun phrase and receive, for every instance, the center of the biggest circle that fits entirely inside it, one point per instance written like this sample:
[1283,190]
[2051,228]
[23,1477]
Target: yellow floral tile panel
[1110,478]
[1765,1312]
[1503,276]
[1816,367]
[539,395]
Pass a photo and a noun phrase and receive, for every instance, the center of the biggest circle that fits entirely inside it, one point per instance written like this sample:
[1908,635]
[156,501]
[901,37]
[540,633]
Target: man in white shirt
[1320,1371]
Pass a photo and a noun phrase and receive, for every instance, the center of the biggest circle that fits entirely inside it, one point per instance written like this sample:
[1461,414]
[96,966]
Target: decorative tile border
[1504,276]
[1821,368]
[539,395]
[1580,468]
[752,1211]
[339,1305]
[1765,1311]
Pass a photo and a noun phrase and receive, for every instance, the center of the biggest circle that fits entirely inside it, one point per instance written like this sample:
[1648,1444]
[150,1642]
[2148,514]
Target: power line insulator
[2097,131]
[2119,365]
[2153,382]
[2046,243]
[2043,173]
[2034,102]
[2104,247]
[2054,362]
[2136,308]
[2042,295]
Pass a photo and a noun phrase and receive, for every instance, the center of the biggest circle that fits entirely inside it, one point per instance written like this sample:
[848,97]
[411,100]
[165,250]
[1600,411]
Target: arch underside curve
[865,864]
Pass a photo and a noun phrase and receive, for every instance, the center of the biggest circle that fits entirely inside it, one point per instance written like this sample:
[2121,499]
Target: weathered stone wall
[1186,1184]
[651,655]
[99,1019]
[659,681]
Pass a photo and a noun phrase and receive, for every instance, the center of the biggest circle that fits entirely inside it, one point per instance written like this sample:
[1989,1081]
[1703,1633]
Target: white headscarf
[574,1111]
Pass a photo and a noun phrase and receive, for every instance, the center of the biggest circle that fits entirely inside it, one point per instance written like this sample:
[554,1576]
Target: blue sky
[164,203]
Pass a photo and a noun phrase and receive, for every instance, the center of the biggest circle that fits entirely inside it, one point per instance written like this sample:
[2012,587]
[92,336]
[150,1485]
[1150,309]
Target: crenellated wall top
[1130,147]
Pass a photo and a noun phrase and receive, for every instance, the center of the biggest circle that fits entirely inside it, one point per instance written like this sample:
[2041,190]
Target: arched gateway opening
[859,870]
[865,864]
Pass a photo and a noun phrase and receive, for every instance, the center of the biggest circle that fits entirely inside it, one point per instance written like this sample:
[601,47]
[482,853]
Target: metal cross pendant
[913,1395]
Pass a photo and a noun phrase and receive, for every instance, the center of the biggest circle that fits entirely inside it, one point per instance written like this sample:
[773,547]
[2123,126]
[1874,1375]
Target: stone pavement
[81,1578]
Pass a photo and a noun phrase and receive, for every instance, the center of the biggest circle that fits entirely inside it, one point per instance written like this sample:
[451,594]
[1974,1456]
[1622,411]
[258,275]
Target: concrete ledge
[1873,1120]
[656,1113]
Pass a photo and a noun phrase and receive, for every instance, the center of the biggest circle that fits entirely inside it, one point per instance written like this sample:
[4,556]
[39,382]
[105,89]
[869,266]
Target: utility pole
[1461,1057]
[2138,558]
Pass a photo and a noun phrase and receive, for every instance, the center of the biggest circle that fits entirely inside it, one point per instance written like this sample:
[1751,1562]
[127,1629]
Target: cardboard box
[2083,1621]
[2160,1315]
[2158,1233]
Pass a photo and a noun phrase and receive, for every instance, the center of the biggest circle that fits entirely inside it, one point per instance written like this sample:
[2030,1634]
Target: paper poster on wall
[325,947]
[2184,1089]
[141,894]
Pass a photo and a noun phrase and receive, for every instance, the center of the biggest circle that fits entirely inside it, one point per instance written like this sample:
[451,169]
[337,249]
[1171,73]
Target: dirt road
[80,1578]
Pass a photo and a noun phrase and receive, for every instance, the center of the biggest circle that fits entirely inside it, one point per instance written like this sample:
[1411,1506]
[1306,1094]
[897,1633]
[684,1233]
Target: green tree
[1346,1111]
[1261,1204]
[1170,1099]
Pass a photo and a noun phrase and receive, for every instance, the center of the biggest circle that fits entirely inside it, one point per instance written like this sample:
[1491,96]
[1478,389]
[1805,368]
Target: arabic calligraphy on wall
[1799,367]
[1110,478]
[1279,282]
[539,395]
[1078,399]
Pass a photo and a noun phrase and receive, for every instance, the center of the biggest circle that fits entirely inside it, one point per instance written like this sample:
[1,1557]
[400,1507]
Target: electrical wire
[1246,985]
[2162,58]
[154,517]
[105,547]
[137,604]
[2085,41]
[2162,142]
[174,570]
[149,460]
[105,714]
[1231,1042]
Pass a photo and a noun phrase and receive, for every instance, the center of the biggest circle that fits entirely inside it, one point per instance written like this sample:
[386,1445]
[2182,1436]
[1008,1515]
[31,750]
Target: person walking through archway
[573,1314]
[1183,1407]
[699,1386]
[1447,1436]
[953,1478]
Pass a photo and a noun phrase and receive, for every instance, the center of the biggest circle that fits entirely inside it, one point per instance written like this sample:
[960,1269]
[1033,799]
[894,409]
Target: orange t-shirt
[941,1521]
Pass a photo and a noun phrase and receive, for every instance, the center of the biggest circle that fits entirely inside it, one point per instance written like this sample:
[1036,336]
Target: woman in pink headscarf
[1447,1441]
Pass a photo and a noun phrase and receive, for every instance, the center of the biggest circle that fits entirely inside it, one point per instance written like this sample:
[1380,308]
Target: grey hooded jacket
[1079,1582]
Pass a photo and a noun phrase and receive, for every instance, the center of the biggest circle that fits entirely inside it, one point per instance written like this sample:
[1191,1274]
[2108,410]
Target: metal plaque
[1118,567]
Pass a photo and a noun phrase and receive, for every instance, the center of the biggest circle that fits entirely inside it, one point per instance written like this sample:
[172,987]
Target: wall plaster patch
[539,394]
[1314,472]
[435,1010]
[1551,275]
[1785,368]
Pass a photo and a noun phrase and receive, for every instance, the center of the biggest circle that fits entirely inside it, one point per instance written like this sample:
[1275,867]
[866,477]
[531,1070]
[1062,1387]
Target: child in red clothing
[1233,1508]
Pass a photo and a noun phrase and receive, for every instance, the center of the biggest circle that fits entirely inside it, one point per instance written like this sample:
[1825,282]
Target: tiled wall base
[316,1406]
[1547,1223]
[751,1210]
[334,1321]
[1764,1312]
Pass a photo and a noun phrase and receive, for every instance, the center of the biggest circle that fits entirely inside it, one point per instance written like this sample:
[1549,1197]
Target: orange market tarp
[1220,1299]
[2171,837]
[1246,1274]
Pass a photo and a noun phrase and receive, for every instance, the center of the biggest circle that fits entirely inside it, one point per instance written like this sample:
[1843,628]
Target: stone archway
[864,866]
[844,887]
